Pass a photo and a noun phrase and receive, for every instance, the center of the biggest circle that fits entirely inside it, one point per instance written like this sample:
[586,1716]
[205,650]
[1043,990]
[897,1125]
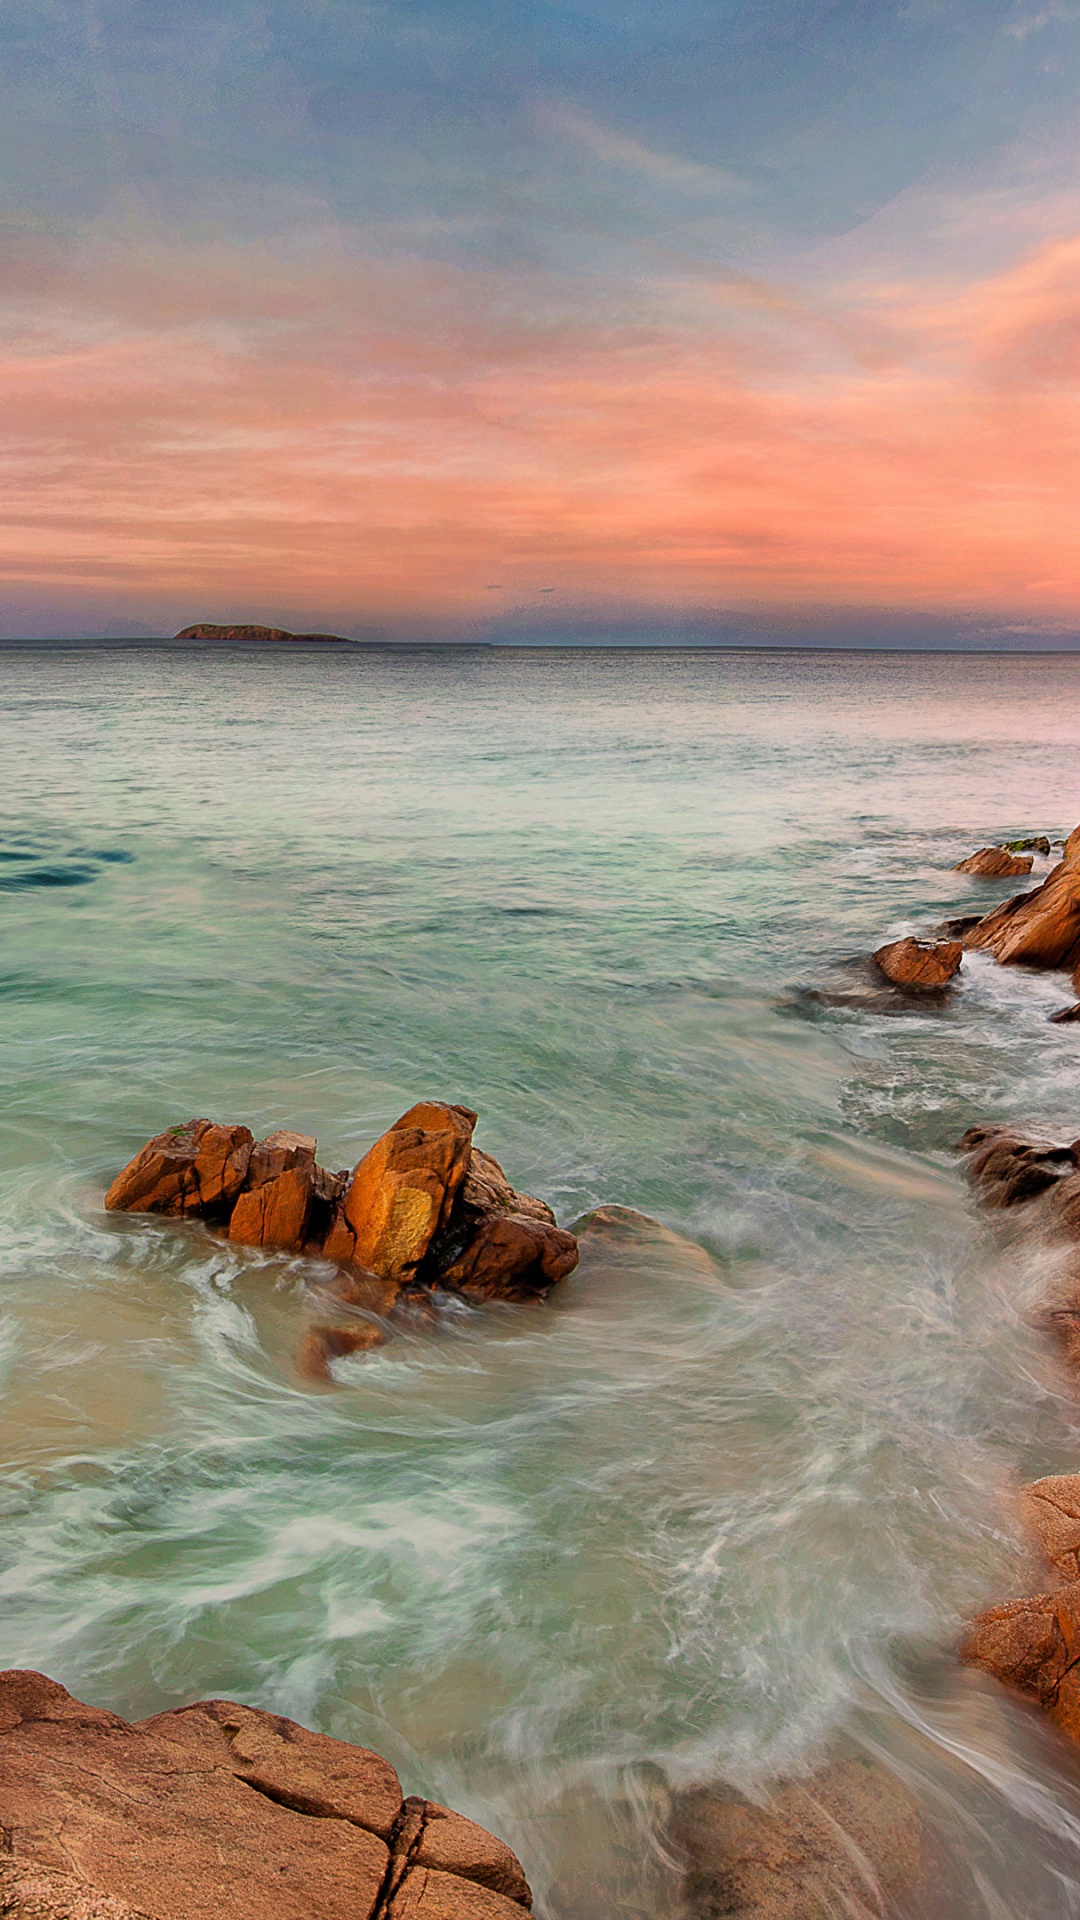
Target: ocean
[696,1519]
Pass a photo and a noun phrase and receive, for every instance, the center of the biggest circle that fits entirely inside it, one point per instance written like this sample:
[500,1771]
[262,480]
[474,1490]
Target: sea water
[704,1513]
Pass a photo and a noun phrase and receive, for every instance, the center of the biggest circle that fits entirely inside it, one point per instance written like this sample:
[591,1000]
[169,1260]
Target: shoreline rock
[920,966]
[423,1210]
[996,863]
[219,1811]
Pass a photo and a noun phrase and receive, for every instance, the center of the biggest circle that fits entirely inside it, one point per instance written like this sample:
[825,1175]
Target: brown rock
[205,630]
[1065,1016]
[425,1894]
[276,1213]
[922,966]
[404,1188]
[487,1190]
[280,1151]
[220,1812]
[1051,1508]
[1037,929]
[195,1168]
[1034,1645]
[322,1345]
[31,1892]
[1007,1167]
[169,1828]
[512,1256]
[995,863]
[846,1841]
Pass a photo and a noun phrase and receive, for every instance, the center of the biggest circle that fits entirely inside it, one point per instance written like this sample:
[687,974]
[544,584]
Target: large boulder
[404,1188]
[512,1256]
[1051,1509]
[1041,928]
[221,1812]
[197,1168]
[920,966]
[995,863]
[276,1212]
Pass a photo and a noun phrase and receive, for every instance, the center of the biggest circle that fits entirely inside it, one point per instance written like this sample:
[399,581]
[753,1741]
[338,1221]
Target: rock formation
[204,630]
[920,966]
[1033,1644]
[423,1209]
[995,863]
[220,1812]
[1041,928]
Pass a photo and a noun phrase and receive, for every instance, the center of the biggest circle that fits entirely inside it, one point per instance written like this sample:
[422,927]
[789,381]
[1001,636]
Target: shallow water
[692,1520]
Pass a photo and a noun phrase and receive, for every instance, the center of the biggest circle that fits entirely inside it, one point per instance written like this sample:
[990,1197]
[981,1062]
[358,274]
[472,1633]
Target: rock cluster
[220,1812]
[424,1209]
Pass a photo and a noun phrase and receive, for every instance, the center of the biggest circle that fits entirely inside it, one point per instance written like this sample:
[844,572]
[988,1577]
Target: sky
[466,319]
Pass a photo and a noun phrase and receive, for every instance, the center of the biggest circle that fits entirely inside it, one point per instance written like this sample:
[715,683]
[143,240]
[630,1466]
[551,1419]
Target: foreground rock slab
[221,1812]
[920,966]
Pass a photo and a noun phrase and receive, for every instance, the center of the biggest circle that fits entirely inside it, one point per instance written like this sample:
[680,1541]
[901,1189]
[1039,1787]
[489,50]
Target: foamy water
[697,1517]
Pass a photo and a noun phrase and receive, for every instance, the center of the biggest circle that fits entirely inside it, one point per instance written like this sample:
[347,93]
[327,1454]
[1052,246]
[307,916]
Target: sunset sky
[486,318]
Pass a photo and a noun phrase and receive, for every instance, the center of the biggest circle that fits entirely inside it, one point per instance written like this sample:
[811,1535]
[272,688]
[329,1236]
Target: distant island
[206,631]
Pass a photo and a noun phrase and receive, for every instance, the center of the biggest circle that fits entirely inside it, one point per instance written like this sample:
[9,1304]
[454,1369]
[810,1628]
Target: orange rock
[452,1844]
[404,1188]
[995,863]
[195,1168]
[512,1256]
[1034,1646]
[425,1894]
[922,966]
[487,1190]
[275,1214]
[1051,1508]
[278,1152]
[1037,929]
[321,1345]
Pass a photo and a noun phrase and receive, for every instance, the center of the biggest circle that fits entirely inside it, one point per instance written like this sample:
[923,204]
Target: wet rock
[848,1840]
[1033,1645]
[1051,1510]
[512,1256]
[1036,843]
[323,1345]
[1066,1016]
[278,1152]
[637,1238]
[276,1213]
[220,1812]
[1007,1167]
[196,1168]
[404,1188]
[996,863]
[487,1190]
[1041,928]
[920,966]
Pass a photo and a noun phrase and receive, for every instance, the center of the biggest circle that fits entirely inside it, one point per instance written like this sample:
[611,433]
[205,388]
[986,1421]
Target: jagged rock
[275,1213]
[195,1168]
[487,1190]
[921,966]
[278,1152]
[1051,1509]
[1034,1645]
[847,1841]
[220,1812]
[1066,1016]
[1041,928]
[404,1188]
[995,863]
[1007,1167]
[1035,843]
[512,1256]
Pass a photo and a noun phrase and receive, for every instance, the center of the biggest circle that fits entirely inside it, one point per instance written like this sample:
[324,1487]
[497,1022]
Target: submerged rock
[920,966]
[220,1812]
[1066,1016]
[848,1840]
[424,1209]
[1007,1167]
[638,1240]
[996,863]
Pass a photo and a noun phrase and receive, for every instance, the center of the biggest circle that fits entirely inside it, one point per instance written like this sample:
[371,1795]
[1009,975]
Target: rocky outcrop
[1051,1510]
[423,1210]
[920,966]
[1033,1645]
[1041,928]
[1007,1167]
[848,1840]
[205,630]
[221,1812]
[996,863]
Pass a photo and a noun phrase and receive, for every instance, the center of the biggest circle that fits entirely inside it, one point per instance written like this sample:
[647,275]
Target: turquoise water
[695,1517]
